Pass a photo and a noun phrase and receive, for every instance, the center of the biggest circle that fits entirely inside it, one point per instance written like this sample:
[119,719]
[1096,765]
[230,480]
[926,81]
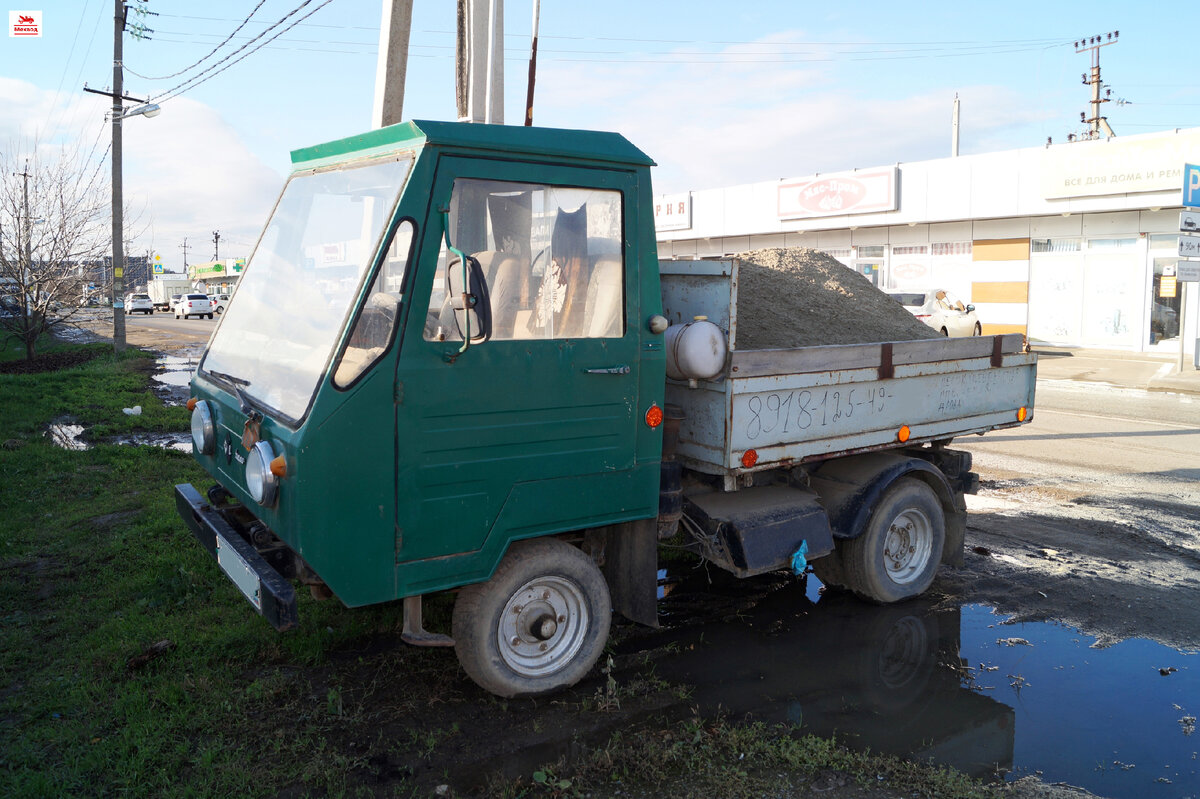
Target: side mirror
[970,308]
[468,298]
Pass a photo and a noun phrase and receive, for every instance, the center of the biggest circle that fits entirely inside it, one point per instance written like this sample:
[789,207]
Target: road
[1094,501]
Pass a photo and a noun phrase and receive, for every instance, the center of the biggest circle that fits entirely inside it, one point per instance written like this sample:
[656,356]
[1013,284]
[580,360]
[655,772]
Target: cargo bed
[789,406]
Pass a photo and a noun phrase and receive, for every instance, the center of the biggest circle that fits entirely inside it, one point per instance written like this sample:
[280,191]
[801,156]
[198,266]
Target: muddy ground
[1038,548]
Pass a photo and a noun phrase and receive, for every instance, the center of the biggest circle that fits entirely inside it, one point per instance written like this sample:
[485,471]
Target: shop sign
[1093,168]
[838,194]
[673,211]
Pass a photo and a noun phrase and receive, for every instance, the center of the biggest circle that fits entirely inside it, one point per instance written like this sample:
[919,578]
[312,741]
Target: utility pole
[28,240]
[118,200]
[480,61]
[185,247]
[537,12]
[1096,122]
[216,245]
[394,32]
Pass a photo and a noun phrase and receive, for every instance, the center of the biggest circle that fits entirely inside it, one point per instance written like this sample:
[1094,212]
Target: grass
[129,665]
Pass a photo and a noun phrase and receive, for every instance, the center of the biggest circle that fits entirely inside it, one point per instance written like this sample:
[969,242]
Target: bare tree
[53,217]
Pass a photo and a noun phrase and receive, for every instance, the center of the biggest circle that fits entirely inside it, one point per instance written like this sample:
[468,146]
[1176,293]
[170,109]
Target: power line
[196,80]
[210,54]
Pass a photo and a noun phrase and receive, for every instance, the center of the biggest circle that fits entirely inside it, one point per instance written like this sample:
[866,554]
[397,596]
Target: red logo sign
[24,23]
[834,194]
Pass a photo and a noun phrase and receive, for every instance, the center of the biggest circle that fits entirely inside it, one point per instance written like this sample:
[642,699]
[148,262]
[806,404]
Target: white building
[1072,244]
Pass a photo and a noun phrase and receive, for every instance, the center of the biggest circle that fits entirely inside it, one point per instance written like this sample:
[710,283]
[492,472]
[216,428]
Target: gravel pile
[802,298]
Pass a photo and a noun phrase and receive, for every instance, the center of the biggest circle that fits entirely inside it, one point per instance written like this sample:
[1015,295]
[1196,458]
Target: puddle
[67,436]
[956,685]
[181,442]
[172,376]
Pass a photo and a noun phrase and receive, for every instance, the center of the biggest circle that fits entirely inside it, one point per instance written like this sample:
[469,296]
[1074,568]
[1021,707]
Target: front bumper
[266,589]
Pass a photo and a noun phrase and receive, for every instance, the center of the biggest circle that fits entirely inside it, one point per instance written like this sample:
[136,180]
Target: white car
[941,310]
[139,302]
[194,305]
[221,301]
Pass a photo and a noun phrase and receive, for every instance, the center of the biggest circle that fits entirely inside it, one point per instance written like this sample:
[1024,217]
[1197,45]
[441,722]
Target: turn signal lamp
[279,467]
[191,403]
[903,433]
[654,416]
[1022,414]
[749,458]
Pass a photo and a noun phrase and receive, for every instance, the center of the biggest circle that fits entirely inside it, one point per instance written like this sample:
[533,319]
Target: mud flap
[631,569]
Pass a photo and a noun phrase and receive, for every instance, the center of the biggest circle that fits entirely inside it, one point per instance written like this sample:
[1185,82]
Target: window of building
[871,251]
[1055,246]
[1112,244]
[951,248]
[912,249]
[837,252]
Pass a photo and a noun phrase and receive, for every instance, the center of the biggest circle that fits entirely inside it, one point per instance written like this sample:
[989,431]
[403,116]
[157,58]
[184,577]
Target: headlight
[262,484]
[204,429]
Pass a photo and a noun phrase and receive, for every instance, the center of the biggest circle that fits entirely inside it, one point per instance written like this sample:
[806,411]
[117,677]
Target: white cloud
[718,124]
[186,172]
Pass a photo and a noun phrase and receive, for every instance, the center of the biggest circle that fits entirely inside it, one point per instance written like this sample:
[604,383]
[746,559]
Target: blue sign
[1191,185]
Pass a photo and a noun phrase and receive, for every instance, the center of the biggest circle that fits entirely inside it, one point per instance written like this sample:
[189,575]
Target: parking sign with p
[1191,185]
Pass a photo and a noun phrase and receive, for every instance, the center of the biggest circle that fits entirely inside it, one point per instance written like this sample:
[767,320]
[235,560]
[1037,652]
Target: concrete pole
[954,129]
[483,61]
[395,30]
[118,200]
[537,12]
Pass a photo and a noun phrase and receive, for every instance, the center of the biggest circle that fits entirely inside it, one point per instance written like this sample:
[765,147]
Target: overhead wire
[82,63]
[233,57]
[209,55]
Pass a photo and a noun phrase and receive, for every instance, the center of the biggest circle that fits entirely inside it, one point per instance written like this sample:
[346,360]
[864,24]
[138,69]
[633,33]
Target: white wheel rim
[542,626]
[908,546]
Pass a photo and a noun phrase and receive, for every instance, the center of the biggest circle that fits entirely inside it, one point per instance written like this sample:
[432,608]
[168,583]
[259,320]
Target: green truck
[455,363]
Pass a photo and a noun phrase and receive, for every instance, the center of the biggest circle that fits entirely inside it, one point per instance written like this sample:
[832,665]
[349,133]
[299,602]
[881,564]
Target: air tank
[696,350]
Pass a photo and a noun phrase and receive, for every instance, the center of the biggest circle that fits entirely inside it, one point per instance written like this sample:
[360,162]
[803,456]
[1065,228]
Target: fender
[850,487]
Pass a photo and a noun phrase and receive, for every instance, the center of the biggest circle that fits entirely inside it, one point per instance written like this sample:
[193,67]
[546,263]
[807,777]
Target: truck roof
[585,145]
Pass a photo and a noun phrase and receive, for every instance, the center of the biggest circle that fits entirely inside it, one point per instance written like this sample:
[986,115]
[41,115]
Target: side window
[553,259]
[373,329]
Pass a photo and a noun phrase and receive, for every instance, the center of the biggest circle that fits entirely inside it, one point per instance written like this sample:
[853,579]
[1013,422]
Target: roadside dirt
[1071,549]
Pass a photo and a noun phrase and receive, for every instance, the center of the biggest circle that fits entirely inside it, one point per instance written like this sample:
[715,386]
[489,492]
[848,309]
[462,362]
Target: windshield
[299,285]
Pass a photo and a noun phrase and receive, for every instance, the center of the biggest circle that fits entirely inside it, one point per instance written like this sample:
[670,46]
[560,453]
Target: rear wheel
[538,625]
[978,330]
[945,332]
[897,555]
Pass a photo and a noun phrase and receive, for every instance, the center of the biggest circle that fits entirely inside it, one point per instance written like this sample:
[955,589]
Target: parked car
[221,300]
[942,311]
[194,305]
[139,302]
[1164,321]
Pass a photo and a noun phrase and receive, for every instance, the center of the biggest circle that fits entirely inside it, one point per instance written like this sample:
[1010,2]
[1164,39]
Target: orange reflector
[191,404]
[654,416]
[903,433]
[749,458]
[279,467]
[1022,414]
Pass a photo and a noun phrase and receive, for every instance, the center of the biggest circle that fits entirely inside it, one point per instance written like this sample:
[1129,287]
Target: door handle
[611,370]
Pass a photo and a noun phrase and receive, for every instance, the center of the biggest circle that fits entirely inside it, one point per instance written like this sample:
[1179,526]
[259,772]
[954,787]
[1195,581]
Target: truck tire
[538,625]
[898,553]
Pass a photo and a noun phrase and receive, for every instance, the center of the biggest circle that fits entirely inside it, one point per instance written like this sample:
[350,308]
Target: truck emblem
[227,448]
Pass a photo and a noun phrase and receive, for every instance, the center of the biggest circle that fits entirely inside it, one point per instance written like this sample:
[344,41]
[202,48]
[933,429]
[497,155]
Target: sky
[717,94]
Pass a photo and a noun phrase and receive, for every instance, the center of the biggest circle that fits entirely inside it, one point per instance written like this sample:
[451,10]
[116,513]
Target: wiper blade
[237,383]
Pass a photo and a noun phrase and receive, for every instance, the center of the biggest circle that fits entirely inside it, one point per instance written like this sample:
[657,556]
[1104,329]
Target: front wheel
[538,625]
[978,330]
[897,555]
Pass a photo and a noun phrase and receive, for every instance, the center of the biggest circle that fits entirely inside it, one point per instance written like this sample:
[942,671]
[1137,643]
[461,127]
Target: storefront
[1071,244]
[217,277]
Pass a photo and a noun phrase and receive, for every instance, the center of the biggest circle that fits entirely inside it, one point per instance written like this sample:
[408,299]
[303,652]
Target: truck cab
[440,350]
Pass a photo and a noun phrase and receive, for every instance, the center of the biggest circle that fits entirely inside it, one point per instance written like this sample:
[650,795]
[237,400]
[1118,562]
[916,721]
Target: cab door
[529,428]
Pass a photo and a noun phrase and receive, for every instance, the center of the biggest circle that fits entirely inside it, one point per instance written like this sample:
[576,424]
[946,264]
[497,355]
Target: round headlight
[260,482]
[204,429]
